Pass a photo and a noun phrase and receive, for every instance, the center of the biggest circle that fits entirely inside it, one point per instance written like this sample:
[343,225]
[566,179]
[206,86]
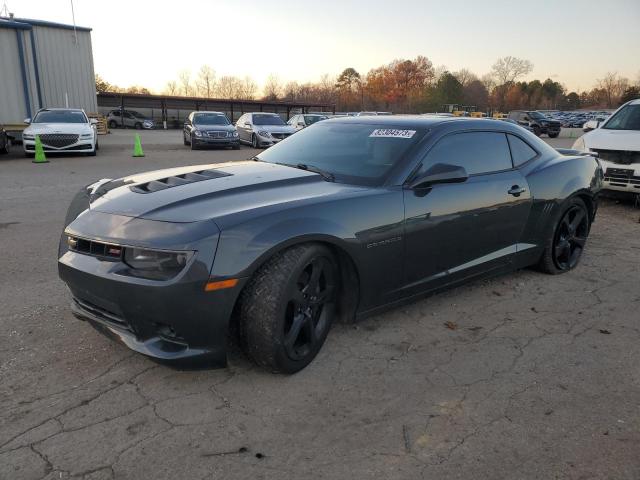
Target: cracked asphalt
[526,376]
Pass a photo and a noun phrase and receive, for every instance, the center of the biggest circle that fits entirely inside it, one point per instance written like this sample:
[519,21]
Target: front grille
[92,247]
[281,136]
[101,313]
[621,177]
[216,134]
[176,180]
[622,157]
[58,140]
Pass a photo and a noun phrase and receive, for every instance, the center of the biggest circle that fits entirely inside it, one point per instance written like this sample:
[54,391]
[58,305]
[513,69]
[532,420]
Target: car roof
[208,111]
[411,121]
[263,113]
[61,110]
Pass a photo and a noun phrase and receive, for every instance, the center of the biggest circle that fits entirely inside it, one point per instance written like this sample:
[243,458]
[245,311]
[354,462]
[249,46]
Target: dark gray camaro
[343,219]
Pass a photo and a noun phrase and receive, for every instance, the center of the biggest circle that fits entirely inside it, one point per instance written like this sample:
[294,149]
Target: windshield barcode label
[392,133]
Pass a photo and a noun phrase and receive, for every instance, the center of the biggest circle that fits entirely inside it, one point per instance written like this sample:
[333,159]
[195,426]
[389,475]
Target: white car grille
[621,177]
[58,140]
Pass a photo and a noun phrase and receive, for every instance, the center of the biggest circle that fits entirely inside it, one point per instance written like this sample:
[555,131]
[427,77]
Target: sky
[147,43]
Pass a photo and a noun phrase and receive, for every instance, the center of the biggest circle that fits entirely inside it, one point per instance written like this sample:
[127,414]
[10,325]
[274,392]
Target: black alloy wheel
[570,237]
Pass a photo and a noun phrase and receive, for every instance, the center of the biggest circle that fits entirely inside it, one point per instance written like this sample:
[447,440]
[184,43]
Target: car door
[243,131]
[128,120]
[459,230]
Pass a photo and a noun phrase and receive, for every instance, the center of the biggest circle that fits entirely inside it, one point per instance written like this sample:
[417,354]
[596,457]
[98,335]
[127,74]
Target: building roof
[27,23]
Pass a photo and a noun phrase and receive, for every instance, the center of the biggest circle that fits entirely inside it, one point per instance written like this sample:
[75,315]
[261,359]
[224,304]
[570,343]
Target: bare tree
[184,77]
[272,88]
[171,88]
[613,86]
[509,69]
[248,88]
[206,81]
[229,87]
[489,81]
[465,76]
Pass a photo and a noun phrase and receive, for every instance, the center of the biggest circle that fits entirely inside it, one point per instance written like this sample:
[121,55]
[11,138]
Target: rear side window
[477,152]
[521,152]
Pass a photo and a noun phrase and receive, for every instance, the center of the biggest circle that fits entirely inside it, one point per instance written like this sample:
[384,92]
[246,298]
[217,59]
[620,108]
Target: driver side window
[476,152]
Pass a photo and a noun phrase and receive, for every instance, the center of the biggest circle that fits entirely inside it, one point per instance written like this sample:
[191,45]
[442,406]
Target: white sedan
[60,130]
[617,143]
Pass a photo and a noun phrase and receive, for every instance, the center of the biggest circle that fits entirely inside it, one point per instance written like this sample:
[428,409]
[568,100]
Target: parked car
[617,143]
[304,120]
[509,120]
[538,122]
[262,129]
[209,129]
[340,221]
[129,119]
[61,130]
[5,141]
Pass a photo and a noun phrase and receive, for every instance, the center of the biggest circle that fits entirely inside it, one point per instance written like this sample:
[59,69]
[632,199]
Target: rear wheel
[565,245]
[287,308]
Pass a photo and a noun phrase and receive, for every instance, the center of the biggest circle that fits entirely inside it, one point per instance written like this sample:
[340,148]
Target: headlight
[27,136]
[579,145]
[262,133]
[155,264]
[86,135]
[197,133]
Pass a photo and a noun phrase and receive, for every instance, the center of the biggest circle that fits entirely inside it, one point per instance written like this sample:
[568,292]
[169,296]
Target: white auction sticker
[392,133]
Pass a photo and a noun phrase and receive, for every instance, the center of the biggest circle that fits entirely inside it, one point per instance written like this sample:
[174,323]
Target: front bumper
[175,320]
[213,142]
[80,146]
[620,177]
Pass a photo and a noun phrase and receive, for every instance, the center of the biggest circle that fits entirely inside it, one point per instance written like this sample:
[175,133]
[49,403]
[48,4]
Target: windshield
[353,153]
[310,119]
[537,116]
[628,118]
[210,119]
[260,119]
[60,116]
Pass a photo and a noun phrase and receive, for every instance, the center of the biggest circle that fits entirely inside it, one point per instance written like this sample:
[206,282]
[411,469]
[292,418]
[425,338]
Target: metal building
[44,65]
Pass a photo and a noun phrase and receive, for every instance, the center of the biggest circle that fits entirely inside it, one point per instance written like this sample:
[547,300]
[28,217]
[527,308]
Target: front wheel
[565,245]
[553,135]
[254,141]
[287,308]
[194,145]
[138,126]
[113,124]
[7,147]
[536,131]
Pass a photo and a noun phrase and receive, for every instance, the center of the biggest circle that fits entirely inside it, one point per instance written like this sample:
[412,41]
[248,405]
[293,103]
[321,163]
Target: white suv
[617,143]
[60,130]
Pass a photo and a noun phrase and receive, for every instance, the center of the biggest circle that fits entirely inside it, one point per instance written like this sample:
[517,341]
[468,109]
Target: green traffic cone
[39,156]
[137,148]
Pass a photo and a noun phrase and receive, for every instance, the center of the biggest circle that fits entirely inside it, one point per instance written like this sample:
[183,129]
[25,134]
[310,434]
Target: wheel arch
[349,274]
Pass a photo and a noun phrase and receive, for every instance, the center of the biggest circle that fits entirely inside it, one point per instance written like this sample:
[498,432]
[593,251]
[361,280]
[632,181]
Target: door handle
[516,190]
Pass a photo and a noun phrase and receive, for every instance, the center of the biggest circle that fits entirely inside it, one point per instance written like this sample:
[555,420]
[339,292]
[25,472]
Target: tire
[94,153]
[565,243]
[193,144]
[254,141]
[138,126]
[282,326]
[553,135]
[113,124]
[536,131]
[184,139]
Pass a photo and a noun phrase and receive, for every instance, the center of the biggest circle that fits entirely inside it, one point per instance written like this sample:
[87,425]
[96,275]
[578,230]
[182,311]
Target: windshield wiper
[310,168]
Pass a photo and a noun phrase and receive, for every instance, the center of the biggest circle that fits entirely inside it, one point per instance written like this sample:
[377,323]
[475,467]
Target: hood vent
[177,180]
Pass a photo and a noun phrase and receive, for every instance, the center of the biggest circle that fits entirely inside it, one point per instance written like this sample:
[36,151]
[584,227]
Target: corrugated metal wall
[13,101]
[66,67]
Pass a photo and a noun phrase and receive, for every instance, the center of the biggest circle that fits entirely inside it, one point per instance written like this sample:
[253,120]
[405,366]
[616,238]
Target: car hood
[42,128]
[275,128]
[244,189]
[605,139]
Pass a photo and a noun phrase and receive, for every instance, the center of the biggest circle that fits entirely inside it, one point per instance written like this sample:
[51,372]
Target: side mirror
[27,121]
[440,173]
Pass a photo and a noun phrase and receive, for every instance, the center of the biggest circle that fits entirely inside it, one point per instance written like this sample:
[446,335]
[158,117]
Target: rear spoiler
[572,152]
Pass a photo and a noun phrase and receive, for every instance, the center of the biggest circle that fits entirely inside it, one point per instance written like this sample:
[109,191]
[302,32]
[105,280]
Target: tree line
[407,86]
